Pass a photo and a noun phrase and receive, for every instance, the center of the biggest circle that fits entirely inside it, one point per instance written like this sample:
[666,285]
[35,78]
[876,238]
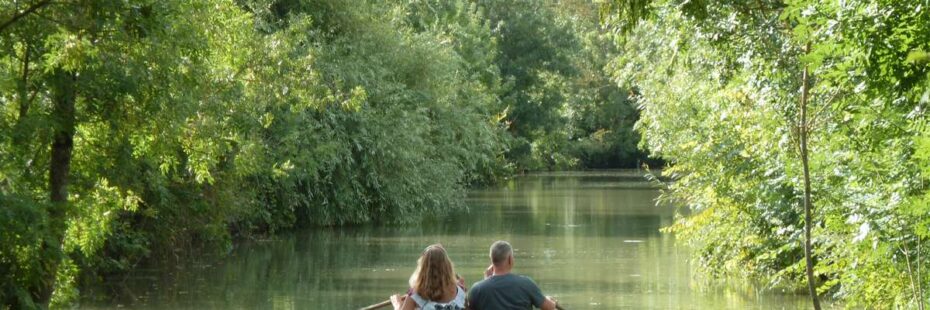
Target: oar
[388,302]
[378,305]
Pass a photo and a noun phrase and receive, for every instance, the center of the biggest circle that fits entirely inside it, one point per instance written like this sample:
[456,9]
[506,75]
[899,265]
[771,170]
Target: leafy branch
[31,9]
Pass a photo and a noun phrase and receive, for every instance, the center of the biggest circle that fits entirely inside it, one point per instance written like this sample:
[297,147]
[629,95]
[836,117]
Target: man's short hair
[500,250]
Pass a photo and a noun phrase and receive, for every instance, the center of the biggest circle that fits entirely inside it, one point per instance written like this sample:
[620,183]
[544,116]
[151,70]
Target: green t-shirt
[507,291]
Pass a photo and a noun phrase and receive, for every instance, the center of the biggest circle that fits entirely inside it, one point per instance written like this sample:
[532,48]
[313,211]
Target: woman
[434,285]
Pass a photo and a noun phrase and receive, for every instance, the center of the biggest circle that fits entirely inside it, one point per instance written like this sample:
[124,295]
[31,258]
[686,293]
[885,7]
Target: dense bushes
[241,124]
[720,87]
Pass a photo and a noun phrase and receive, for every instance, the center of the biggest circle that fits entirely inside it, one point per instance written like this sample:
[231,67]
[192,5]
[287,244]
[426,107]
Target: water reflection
[591,239]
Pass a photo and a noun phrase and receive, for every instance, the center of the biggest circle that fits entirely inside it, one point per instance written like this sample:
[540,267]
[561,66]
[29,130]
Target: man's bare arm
[550,304]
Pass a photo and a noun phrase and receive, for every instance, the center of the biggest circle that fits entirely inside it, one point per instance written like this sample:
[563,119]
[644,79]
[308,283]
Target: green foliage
[718,85]
[561,108]
[600,114]
[24,225]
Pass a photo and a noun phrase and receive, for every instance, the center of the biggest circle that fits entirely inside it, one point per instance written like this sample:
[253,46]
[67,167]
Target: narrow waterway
[589,238]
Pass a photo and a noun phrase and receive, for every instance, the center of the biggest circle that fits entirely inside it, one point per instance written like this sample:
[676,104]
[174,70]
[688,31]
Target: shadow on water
[589,238]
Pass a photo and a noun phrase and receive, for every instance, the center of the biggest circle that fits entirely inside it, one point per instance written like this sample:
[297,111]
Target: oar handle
[378,305]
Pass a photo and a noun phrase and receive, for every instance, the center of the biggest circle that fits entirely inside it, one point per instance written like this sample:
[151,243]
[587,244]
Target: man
[501,289]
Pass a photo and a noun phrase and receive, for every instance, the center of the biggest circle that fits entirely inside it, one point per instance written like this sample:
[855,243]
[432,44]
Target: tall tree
[803,135]
[89,63]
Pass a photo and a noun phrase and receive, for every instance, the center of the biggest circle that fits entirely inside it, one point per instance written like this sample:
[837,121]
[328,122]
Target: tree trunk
[63,141]
[808,218]
[20,132]
[64,94]
[920,280]
[24,86]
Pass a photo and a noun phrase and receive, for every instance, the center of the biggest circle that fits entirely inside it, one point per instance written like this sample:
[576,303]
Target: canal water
[591,239]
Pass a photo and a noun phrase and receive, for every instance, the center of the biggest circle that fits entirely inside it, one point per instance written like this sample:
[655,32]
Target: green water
[589,238]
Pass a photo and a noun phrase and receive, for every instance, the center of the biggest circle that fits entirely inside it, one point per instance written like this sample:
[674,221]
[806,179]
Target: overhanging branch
[30,10]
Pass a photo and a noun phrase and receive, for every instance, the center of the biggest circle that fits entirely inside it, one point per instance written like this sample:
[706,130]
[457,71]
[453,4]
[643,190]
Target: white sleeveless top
[457,303]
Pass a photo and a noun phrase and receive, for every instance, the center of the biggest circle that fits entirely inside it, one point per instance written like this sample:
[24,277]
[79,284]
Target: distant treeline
[131,130]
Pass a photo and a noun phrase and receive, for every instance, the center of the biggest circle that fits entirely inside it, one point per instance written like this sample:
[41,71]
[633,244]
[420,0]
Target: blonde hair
[435,274]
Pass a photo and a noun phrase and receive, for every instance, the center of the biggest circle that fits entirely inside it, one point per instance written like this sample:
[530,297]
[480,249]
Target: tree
[759,128]
[802,128]
[94,69]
